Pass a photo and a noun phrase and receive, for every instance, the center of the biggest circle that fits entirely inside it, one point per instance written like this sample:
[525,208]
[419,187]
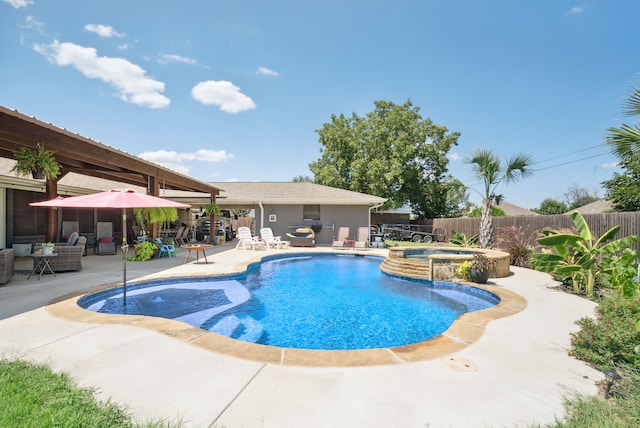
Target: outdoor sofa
[69,257]
[6,265]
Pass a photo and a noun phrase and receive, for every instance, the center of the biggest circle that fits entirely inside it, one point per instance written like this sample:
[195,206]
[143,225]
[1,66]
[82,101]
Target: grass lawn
[33,396]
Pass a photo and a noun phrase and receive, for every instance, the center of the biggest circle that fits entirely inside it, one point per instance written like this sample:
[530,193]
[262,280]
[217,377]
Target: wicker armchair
[6,265]
[69,256]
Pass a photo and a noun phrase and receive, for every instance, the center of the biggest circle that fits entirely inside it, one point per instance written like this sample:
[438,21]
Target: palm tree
[626,140]
[488,167]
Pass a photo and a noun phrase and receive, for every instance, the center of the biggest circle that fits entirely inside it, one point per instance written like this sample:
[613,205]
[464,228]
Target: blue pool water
[311,302]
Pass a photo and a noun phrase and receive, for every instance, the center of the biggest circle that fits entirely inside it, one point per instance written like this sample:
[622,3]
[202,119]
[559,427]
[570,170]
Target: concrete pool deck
[516,373]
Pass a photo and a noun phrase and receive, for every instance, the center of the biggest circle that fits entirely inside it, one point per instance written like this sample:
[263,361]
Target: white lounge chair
[341,240]
[362,241]
[272,241]
[246,240]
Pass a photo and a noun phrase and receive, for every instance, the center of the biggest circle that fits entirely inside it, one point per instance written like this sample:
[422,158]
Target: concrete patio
[517,373]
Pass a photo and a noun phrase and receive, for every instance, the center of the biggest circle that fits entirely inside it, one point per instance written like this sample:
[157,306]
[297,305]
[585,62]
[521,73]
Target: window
[311,212]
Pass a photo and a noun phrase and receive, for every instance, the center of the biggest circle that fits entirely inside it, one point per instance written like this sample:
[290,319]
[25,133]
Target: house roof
[595,207]
[514,210]
[282,193]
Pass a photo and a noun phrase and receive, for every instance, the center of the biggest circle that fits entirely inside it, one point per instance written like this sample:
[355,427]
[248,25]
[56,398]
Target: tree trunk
[485,235]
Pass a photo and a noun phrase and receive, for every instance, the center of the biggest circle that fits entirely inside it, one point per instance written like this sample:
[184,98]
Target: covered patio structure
[87,166]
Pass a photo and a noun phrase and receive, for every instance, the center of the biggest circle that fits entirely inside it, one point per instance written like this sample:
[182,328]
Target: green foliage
[495,211]
[302,179]
[28,161]
[550,207]
[625,144]
[460,239]
[603,341]
[464,270]
[634,357]
[579,255]
[519,243]
[212,209]
[393,153]
[149,216]
[621,190]
[144,251]
[621,272]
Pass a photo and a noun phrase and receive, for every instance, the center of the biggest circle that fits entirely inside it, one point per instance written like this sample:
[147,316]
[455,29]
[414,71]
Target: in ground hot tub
[438,263]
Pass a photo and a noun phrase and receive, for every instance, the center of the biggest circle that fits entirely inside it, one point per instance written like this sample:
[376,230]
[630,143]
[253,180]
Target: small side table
[350,243]
[197,248]
[41,261]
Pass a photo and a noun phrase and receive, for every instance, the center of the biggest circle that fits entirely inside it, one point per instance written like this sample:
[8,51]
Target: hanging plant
[39,163]
[212,208]
[148,216]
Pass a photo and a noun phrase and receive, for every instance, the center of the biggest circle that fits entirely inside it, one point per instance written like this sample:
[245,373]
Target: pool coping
[465,330]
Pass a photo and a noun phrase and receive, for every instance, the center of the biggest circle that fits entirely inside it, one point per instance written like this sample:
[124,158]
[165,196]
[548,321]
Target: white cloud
[31,22]
[19,3]
[609,165]
[176,161]
[103,30]
[166,58]
[224,94]
[267,72]
[454,156]
[576,10]
[130,80]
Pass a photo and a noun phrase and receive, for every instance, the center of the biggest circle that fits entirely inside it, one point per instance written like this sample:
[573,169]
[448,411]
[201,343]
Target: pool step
[226,326]
[253,330]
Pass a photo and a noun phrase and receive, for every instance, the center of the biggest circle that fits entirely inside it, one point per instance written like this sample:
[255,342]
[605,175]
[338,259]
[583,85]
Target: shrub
[519,243]
[144,251]
[460,239]
[463,271]
[603,341]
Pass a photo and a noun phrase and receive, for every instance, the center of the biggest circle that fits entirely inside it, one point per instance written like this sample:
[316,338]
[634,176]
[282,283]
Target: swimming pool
[334,302]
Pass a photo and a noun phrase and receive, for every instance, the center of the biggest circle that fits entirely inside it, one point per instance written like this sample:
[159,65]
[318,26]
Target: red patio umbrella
[115,198]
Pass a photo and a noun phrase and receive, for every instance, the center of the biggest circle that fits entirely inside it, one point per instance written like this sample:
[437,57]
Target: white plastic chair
[245,239]
[267,236]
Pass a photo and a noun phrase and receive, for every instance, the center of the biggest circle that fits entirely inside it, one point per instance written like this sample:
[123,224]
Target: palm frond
[632,107]
[625,140]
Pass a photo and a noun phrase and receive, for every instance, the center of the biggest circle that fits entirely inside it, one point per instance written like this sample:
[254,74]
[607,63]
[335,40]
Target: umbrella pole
[125,250]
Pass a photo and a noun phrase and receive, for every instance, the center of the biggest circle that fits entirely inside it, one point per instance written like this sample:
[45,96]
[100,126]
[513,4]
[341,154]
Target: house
[287,206]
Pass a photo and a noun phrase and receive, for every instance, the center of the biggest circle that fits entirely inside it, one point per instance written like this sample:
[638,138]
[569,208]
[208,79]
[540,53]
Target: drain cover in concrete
[459,363]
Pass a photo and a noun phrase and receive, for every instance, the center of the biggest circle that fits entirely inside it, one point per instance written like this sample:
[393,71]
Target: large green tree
[624,189]
[491,170]
[393,153]
[550,207]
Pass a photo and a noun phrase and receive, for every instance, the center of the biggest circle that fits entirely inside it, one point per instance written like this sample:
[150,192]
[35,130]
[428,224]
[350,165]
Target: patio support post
[52,212]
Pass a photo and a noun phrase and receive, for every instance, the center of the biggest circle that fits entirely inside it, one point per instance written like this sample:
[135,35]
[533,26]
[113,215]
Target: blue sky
[235,90]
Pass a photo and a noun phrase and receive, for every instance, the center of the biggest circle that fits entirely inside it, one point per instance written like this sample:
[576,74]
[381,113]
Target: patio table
[197,248]
[41,261]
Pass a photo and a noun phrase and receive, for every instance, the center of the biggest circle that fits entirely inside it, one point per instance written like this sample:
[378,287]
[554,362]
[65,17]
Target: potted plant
[480,269]
[212,208]
[38,162]
[144,251]
[47,248]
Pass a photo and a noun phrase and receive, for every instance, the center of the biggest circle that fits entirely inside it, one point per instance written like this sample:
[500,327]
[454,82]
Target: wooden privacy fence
[598,223]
